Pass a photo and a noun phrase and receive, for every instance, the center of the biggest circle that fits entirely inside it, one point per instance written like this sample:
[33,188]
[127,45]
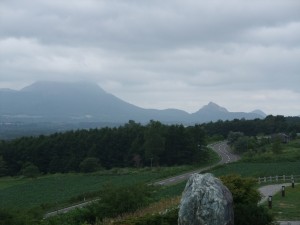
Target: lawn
[287,207]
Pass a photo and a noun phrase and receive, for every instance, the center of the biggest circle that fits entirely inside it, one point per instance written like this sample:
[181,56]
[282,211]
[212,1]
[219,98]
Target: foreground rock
[205,201]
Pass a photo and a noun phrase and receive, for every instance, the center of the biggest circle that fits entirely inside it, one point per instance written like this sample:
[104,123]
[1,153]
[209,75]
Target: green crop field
[57,190]
[287,207]
[53,189]
[23,193]
[258,169]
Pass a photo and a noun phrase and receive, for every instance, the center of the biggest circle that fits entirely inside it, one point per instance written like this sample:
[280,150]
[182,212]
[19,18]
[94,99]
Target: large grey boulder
[205,201]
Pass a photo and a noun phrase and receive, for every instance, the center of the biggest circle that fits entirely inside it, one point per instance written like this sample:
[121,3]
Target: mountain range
[87,102]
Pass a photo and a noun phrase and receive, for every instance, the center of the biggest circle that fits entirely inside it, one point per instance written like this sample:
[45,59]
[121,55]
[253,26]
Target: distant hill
[87,102]
[214,112]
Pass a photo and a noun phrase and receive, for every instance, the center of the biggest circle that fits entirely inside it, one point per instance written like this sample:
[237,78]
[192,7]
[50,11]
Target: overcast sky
[240,54]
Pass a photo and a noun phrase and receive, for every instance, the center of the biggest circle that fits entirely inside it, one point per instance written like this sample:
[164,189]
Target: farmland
[51,191]
[259,169]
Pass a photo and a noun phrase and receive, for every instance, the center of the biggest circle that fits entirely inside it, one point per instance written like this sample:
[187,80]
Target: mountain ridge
[84,101]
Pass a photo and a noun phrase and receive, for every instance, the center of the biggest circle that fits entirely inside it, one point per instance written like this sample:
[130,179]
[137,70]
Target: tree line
[267,126]
[130,145]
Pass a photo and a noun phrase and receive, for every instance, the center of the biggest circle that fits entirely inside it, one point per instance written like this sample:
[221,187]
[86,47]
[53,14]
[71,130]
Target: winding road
[221,148]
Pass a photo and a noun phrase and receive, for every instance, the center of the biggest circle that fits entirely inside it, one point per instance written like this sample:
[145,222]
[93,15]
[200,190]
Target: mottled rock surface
[205,201]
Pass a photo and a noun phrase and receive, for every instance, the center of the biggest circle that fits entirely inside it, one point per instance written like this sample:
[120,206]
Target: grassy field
[287,207]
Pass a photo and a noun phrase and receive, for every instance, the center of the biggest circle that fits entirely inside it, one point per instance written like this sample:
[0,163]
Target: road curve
[221,148]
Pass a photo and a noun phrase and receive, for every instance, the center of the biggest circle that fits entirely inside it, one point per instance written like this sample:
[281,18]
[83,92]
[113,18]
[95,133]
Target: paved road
[221,148]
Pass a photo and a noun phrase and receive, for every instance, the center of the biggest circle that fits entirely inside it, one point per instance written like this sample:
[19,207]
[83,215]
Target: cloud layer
[159,54]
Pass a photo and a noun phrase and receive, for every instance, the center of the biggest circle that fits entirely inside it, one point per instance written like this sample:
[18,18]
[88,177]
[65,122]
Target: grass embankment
[288,207]
[144,214]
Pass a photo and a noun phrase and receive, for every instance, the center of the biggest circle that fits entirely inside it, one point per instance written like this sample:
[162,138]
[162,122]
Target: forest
[129,145]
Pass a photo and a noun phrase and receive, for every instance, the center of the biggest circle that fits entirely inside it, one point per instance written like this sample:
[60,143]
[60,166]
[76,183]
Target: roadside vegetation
[49,172]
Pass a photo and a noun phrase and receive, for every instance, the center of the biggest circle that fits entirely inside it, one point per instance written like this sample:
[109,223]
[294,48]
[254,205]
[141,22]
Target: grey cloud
[142,25]
[188,52]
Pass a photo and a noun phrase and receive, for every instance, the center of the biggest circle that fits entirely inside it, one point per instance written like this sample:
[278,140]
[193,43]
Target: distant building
[282,136]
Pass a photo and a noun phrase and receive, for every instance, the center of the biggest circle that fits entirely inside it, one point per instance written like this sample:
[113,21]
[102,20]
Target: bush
[89,164]
[251,214]
[245,199]
[31,170]
[242,189]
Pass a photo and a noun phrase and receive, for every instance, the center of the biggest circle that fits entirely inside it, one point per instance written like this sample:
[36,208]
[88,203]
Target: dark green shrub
[249,214]
[245,198]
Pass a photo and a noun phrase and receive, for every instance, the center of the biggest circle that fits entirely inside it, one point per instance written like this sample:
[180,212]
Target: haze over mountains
[87,102]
